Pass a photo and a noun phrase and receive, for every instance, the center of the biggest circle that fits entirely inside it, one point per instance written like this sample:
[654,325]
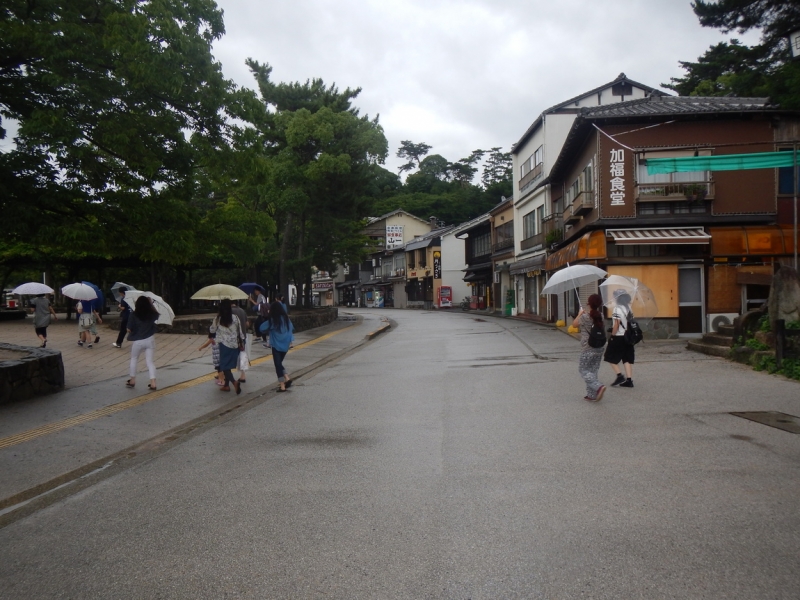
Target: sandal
[238,388]
[280,389]
[288,384]
[151,387]
[129,384]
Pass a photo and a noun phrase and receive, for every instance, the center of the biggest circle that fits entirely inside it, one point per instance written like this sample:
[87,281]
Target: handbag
[243,362]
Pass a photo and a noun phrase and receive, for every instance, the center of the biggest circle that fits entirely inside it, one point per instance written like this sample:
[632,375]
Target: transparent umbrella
[166,314]
[640,298]
[116,287]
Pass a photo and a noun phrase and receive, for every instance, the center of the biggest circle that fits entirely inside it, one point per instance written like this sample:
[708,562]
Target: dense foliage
[134,158]
[763,70]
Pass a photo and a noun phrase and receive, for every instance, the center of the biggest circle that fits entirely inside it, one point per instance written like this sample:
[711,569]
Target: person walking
[42,311]
[590,358]
[259,299]
[226,328]
[618,349]
[281,338]
[212,341]
[88,318]
[142,332]
[244,362]
[124,313]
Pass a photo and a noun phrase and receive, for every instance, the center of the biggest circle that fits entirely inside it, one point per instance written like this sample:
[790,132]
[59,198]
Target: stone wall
[27,372]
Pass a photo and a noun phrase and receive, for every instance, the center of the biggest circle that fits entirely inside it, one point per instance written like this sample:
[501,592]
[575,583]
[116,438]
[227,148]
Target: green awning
[723,162]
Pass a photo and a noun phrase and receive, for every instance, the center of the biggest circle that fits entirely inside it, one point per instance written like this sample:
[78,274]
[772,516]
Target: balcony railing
[532,176]
[570,217]
[583,203]
[653,192]
[552,222]
[503,244]
[533,241]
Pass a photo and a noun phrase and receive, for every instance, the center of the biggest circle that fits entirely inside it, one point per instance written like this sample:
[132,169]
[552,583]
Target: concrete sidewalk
[52,440]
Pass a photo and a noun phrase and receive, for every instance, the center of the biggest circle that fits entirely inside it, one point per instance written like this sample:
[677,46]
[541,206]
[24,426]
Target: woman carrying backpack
[593,339]
[618,348]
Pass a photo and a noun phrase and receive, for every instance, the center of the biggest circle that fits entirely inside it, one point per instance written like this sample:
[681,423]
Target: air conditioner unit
[717,319]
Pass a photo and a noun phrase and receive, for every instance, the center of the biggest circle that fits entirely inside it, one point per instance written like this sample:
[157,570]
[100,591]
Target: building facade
[705,241]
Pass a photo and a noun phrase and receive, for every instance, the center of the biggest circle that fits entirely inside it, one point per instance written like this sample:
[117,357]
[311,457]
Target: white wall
[453,265]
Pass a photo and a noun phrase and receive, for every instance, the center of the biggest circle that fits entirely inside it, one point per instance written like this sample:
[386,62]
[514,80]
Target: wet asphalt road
[453,457]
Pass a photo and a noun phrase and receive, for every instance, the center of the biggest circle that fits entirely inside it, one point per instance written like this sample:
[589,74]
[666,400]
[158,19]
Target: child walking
[212,341]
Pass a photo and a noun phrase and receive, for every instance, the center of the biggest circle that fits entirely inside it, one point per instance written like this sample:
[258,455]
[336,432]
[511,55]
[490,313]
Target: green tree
[413,153]
[106,96]
[321,158]
[766,69]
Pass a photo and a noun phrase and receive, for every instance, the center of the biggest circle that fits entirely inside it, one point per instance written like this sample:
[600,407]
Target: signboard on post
[394,236]
[437,265]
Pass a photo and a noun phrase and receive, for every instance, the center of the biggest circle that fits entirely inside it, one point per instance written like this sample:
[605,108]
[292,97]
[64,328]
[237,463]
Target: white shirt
[621,313]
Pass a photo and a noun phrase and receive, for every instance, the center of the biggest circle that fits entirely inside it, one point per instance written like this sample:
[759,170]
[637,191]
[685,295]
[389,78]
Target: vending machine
[445,297]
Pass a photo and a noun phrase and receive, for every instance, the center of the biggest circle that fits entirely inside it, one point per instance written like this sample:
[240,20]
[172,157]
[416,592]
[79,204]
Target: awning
[672,235]
[479,267]
[345,284]
[529,264]
[420,244]
[479,276]
[720,162]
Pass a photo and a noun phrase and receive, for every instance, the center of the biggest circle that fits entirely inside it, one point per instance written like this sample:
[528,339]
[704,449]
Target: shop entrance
[690,300]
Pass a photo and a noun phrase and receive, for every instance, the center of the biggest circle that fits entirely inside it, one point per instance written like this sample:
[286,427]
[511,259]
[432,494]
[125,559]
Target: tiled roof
[675,105]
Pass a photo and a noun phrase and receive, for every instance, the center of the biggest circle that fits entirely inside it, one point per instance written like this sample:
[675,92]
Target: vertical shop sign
[437,265]
[617,170]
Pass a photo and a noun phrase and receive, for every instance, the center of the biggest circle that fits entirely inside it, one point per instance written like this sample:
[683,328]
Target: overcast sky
[466,74]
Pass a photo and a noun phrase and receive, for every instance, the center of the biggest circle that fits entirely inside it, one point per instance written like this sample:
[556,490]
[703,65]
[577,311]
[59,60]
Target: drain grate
[772,418]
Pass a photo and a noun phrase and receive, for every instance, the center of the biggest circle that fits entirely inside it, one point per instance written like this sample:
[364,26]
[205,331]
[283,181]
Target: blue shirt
[280,339]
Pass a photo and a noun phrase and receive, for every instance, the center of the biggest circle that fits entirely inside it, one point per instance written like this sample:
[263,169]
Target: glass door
[690,300]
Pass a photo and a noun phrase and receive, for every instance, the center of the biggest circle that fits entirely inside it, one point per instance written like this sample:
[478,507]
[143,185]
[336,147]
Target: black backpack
[597,337]
[633,333]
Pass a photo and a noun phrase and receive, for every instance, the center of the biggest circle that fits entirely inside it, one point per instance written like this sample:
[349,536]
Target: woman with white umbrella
[591,356]
[142,332]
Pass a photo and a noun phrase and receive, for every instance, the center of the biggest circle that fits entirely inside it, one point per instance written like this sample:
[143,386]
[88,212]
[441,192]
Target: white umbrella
[166,314]
[79,291]
[219,291]
[642,301]
[34,288]
[115,289]
[571,278]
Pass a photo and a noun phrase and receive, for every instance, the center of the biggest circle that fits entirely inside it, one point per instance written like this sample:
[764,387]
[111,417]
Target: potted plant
[554,237]
[695,191]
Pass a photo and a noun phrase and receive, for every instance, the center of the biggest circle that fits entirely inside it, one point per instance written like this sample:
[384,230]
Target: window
[529,225]
[532,162]
[668,184]
[671,208]
[400,262]
[423,254]
[412,263]
[539,218]
[583,183]
[785,177]
[481,245]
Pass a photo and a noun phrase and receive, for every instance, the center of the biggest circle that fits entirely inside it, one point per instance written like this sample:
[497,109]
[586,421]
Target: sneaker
[265,345]
[600,393]
[116,345]
[80,343]
[628,383]
[97,340]
[89,345]
[620,379]
[588,399]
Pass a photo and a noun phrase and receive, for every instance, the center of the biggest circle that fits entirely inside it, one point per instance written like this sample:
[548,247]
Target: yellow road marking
[36,432]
